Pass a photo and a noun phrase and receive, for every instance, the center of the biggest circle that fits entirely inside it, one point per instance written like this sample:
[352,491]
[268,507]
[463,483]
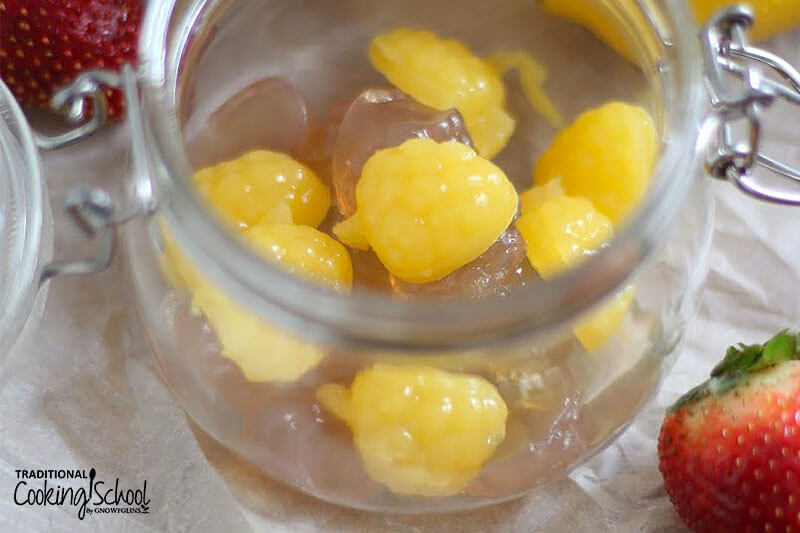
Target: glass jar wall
[384,399]
[26,223]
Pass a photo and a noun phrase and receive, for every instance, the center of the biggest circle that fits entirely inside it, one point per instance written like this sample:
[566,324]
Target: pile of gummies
[395,190]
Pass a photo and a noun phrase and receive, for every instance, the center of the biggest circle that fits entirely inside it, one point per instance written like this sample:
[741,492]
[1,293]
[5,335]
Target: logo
[88,494]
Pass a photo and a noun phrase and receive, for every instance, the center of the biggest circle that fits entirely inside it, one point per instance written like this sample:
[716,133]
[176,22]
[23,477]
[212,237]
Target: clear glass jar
[564,403]
[26,231]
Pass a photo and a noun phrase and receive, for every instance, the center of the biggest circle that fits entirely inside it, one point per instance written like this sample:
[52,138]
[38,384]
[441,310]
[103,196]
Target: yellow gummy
[560,232]
[594,16]
[532,76]
[262,352]
[772,16]
[349,232]
[305,252]
[444,74]
[536,196]
[263,186]
[594,331]
[420,430]
[606,156]
[427,208]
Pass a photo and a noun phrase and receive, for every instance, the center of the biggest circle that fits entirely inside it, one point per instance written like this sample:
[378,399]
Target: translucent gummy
[318,150]
[268,114]
[543,431]
[496,272]
[285,419]
[382,118]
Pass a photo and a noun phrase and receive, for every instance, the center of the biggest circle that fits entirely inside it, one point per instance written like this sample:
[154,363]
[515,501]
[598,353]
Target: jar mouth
[21,219]
[378,321]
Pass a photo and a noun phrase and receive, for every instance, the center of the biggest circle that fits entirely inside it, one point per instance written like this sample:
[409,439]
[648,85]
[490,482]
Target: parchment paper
[81,390]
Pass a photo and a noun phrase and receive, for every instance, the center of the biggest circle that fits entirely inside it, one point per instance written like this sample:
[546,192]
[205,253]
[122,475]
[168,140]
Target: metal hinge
[91,209]
[740,93]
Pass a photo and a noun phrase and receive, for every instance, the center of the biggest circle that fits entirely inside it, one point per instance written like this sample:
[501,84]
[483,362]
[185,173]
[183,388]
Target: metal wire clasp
[725,47]
[72,100]
[91,208]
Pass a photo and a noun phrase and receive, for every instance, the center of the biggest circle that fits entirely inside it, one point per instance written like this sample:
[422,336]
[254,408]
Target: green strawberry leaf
[738,359]
[782,347]
[741,360]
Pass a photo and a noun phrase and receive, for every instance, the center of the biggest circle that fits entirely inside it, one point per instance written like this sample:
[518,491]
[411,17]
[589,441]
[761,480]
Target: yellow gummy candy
[607,156]
[262,352]
[532,76]
[536,196]
[349,231]
[772,16]
[263,186]
[594,330]
[305,252]
[420,430]
[427,208]
[594,16]
[560,232]
[444,74]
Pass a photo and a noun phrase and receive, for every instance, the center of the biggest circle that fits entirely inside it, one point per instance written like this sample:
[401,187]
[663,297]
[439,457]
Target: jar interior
[563,402]
[321,49]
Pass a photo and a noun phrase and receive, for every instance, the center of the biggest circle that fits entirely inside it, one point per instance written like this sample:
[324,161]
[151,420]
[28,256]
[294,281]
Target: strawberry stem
[742,360]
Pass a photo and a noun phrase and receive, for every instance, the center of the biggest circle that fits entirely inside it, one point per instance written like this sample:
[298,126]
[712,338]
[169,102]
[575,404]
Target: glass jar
[26,225]
[560,401]
[563,402]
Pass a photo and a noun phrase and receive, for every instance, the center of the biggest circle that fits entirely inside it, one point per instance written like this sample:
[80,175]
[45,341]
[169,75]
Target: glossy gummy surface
[427,208]
[442,74]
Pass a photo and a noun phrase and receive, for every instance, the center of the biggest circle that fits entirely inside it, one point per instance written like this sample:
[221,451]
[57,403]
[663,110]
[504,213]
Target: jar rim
[372,320]
[19,288]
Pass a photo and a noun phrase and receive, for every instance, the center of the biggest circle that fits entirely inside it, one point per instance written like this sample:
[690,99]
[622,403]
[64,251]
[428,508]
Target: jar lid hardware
[72,100]
[725,41]
[91,209]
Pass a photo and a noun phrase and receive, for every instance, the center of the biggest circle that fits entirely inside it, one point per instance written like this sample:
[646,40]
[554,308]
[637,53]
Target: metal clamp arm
[725,45]
[91,209]
[72,99]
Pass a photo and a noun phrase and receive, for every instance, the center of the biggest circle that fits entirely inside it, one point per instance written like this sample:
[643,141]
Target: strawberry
[45,44]
[729,449]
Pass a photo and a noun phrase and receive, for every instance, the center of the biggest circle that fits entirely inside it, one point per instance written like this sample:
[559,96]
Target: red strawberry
[45,44]
[729,450]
